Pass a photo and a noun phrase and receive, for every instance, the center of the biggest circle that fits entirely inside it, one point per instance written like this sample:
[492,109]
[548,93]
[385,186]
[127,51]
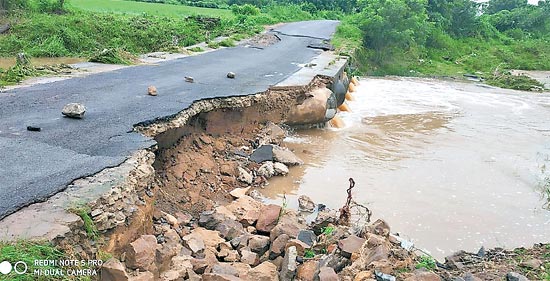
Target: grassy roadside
[136,8]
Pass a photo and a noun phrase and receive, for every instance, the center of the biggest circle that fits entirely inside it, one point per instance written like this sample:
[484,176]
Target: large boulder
[262,154]
[141,253]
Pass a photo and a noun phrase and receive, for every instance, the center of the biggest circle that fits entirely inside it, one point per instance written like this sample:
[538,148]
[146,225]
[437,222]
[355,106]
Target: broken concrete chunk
[289,266]
[74,110]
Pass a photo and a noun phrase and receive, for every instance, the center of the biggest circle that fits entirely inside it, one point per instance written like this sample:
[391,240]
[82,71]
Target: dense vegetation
[396,37]
[450,38]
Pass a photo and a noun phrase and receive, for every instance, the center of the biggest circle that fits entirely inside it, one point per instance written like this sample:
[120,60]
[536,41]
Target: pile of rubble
[249,240]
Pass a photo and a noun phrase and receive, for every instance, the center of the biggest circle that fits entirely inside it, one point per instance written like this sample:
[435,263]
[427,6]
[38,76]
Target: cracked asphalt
[36,165]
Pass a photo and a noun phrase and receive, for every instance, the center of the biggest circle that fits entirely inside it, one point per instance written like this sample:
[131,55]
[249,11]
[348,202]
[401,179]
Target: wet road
[35,165]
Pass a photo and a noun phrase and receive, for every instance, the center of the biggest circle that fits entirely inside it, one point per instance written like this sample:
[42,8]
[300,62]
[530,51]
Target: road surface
[36,165]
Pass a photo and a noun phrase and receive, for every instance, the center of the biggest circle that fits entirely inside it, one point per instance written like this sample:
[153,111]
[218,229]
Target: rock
[307,270]
[183,219]
[266,271]
[308,237]
[380,227]
[171,220]
[350,245]
[249,257]
[219,277]
[380,276]
[514,276]
[285,156]
[113,270]
[230,229]
[327,274]
[74,110]
[268,217]
[532,264]
[179,268]
[300,246]
[143,276]
[336,262]
[280,169]
[262,154]
[224,268]
[231,75]
[211,238]
[323,219]
[267,169]
[189,79]
[258,244]
[278,246]
[245,176]
[470,277]
[289,266]
[152,90]
[363,276]
[211,219]
[423,275]
[141,253]
[288,224]
[194,244]
[306,204]
[242,269]
[239,192]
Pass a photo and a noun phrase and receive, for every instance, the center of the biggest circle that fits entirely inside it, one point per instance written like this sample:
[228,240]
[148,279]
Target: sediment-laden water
[449,165]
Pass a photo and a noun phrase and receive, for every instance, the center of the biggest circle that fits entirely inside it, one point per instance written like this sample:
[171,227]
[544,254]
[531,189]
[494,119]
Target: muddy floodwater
[449,165]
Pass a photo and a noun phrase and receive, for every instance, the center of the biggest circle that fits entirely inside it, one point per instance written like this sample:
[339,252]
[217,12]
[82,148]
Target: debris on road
[152,90]
[189,79]
[33,129]
[74,110]
[231,75]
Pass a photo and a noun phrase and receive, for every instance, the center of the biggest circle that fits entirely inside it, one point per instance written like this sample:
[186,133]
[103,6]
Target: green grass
[426,262]
[28,252]
[309,253]
[89,226]
[158,9]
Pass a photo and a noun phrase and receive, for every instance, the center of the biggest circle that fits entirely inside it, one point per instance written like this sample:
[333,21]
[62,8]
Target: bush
[245,10]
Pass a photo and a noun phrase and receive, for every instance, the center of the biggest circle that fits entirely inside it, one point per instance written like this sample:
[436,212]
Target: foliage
[245,10]
[516,82]
[17,73]
[111,56]
[327,230]
[309,253]
[426,262]
[390,26]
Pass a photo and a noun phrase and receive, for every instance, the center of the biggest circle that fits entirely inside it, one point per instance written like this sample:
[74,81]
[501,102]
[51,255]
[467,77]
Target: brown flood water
[449,165]
[6,63]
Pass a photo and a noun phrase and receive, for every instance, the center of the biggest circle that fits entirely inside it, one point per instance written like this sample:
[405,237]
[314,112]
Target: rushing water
[449,165]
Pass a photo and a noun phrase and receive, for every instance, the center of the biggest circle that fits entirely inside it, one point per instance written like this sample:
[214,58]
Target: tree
[495,6]
[390,25]
[456,17]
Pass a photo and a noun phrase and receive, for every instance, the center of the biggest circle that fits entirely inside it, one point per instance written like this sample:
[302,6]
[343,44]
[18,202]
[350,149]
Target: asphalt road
[36,165]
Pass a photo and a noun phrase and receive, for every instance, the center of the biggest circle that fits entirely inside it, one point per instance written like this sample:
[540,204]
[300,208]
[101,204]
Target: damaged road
[36,165]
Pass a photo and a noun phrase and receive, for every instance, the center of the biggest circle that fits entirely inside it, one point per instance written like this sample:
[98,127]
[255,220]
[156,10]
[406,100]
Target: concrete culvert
[340,91]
